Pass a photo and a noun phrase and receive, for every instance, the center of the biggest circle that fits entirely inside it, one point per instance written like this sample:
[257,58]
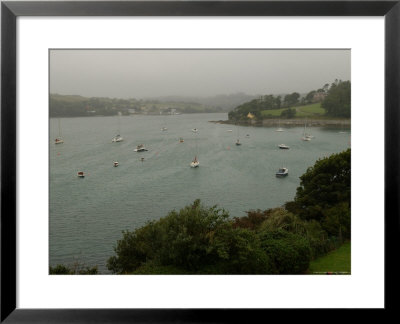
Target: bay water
[87,215]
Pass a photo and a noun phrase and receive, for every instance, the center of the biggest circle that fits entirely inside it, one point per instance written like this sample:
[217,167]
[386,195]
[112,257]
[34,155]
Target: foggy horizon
[146,74]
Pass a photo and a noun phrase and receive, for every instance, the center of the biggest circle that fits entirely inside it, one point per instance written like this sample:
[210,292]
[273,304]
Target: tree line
[334,98]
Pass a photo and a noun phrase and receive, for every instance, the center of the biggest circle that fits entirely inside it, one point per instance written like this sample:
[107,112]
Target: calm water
[87,215]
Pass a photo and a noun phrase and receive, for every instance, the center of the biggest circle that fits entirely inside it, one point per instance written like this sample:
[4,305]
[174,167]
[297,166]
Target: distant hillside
[219,102]
[75,106]
[332,100]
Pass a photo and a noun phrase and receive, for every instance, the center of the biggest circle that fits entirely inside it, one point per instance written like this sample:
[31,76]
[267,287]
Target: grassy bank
[313,110]
[336,261]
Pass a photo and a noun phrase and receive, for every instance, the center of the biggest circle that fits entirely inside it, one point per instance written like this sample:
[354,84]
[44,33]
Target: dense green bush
[324,190]
[203,240]
[182,239]
[289,253]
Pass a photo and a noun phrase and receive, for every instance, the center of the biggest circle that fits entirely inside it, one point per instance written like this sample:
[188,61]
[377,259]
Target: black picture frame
[10,10]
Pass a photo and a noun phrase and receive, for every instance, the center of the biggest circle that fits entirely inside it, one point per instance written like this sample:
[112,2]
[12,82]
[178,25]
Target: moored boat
[117,138]
[282,172]
[140,148]
[195,163]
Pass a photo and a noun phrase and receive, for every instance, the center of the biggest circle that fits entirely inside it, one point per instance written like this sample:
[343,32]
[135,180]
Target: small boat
[195,163]
[283,146]
[306,137]
[181,140]
[283,172]
[164,129]
[117,138]
[140,148]
[142,159]
[238,142]
[279,129]
[81,174]
[195,130]
[59,139]
[116,164]
[229,130]
[247,135]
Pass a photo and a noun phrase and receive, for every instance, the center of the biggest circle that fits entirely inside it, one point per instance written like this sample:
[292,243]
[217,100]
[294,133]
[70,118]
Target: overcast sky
[151,73]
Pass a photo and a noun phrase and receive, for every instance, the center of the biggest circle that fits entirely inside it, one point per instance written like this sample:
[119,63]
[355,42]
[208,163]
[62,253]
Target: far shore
[288,122]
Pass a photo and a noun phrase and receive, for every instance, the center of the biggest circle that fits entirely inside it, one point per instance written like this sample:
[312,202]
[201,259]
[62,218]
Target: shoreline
[288,122]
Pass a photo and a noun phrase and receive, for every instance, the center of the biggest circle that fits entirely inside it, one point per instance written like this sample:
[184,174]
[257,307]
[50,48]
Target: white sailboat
[59,139]
[195,163]
[238,141]
[279,129]
[306,137]
[118,138]
[342,130]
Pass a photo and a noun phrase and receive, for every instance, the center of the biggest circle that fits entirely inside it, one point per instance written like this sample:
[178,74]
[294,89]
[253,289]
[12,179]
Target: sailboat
[306,137]
[342,130]
[279,129]
[238,142]
[282,172]
[118,137]
[195,163]
[140,148]
[59,139]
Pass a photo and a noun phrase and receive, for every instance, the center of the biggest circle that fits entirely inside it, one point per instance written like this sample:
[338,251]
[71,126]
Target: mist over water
[87,215]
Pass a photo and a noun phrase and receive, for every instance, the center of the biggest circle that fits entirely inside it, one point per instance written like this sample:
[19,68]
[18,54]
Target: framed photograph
[181,160]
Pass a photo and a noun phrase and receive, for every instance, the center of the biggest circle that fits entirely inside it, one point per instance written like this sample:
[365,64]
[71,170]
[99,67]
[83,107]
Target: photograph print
[199,161]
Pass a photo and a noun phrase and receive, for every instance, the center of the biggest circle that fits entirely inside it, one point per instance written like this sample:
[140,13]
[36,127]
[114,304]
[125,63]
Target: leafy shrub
[239,251]
[181,239]
[252,221]
[325,185]
[289,253]
[77,268]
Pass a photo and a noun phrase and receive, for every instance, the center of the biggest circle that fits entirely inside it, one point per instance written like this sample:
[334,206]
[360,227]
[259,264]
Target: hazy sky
[151,73]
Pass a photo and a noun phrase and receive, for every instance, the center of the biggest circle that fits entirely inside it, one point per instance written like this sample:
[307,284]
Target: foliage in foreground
[199,239]
[324,194]
[61,269]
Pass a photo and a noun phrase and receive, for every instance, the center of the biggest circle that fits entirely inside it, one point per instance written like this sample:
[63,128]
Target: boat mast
[59,128]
